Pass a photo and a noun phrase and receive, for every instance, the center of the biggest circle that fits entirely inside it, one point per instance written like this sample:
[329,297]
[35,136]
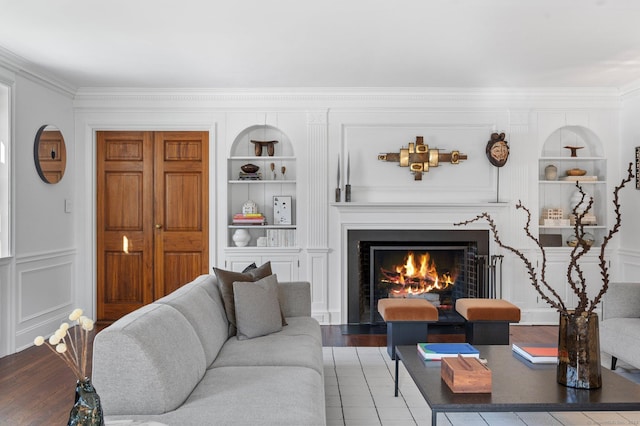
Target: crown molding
[98,98]
[30,71]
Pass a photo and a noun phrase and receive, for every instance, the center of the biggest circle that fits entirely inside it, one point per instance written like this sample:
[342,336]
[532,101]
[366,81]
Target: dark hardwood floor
[37,388]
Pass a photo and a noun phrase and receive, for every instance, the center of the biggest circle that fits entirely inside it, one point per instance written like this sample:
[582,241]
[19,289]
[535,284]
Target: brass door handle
[158,226]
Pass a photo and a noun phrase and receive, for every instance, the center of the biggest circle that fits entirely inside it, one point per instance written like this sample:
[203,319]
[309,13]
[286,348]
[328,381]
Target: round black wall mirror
[50,154]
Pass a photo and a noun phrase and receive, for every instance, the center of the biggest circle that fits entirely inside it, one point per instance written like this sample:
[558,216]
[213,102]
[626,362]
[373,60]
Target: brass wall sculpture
[419,157]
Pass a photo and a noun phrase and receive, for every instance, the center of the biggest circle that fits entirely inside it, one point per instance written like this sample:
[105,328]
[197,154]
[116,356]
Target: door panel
[181,201]
[124,203]
[152,227]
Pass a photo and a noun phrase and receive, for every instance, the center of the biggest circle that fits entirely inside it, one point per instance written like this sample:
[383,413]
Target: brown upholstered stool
[487,320]
[407,321]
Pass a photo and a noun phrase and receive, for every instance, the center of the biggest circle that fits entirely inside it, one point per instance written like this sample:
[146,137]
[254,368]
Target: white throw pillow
[257,307]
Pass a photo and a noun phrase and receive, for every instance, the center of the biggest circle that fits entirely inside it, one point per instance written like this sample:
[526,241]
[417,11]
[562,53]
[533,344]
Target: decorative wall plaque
[637,167]
[419,157]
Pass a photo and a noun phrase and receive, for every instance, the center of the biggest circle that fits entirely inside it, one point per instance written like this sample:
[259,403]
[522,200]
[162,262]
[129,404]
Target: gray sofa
[173,362]
[620,325]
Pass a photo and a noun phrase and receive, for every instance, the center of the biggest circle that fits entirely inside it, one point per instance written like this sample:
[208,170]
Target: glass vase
[87,410]
[579,351]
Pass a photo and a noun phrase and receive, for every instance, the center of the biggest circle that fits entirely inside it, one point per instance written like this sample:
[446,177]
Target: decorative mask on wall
[497,150]
[419,157]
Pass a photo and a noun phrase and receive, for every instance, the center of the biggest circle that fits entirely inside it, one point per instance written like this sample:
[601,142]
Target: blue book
[437,351]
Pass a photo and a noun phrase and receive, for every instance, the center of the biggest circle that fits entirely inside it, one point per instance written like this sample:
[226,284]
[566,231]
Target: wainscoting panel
[6,308]
[43,296]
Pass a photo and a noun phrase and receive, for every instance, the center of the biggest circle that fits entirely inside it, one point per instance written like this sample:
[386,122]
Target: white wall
[630,139]
[40,291]
[53,268]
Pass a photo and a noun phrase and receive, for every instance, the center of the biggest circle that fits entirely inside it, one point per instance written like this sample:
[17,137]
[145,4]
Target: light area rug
[359,387]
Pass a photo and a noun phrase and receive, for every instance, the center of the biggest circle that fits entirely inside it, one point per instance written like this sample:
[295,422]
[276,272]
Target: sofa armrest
[295,298]
[622,300]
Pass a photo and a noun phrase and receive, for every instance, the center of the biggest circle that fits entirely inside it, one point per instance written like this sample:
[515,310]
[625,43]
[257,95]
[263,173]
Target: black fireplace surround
[468,249]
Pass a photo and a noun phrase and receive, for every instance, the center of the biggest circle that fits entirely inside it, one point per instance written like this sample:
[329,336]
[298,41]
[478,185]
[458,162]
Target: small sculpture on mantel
[497,150]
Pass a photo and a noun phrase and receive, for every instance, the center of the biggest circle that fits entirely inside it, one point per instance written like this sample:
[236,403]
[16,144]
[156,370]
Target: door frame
[84,289]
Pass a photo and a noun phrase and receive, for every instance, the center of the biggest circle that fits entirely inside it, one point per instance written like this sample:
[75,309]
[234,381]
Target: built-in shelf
[263,182]
[262,158]
[256,250]
[262,226]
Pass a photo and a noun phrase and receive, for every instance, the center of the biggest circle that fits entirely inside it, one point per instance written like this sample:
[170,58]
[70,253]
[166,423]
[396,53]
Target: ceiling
[326,43]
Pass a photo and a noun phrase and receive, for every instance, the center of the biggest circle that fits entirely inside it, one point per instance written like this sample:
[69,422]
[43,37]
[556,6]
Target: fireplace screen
[433,273]
[439,266]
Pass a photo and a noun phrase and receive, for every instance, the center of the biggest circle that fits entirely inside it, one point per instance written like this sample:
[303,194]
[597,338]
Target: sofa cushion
[257,307]
[203,308]
[225,284]
[147,362]
[298,344]
[248,396]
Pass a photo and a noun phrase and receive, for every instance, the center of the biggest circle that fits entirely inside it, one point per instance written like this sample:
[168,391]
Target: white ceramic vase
[241,237]
[575,201]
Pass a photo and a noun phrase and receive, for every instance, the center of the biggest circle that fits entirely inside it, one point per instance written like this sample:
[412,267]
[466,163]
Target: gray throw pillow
[257,307]
[225,283]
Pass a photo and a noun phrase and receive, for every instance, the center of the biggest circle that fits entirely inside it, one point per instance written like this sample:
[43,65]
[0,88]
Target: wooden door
[181,201]
[152,227]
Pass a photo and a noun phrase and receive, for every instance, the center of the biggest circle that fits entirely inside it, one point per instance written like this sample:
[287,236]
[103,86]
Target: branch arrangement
[575,274]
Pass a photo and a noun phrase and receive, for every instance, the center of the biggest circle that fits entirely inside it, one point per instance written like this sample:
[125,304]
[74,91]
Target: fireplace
[438,265]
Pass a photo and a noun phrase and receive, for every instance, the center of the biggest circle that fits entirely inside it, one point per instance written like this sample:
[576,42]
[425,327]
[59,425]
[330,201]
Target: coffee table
[517,385]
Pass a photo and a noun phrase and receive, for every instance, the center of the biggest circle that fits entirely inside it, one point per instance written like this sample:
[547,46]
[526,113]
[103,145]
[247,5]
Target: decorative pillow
[257,307]
[250,268]
[225,283]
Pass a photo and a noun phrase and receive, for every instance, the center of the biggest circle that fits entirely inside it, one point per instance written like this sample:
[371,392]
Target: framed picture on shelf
[282,206]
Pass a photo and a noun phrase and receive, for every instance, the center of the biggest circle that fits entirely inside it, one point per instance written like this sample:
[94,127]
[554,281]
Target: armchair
[620,325]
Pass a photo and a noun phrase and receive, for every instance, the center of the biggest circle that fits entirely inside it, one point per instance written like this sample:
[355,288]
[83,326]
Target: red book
[537,353]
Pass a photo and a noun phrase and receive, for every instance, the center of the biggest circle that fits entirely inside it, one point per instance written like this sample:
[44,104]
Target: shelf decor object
[271,149]
[574,150]
[282,210]
[338,182]
[347,186]
[419,157]
[249,207]
[578,335]
[241,237]
[551,172]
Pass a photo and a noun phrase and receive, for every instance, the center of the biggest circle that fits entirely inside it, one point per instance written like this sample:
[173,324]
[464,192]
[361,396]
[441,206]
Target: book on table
[537,353]
[437,351]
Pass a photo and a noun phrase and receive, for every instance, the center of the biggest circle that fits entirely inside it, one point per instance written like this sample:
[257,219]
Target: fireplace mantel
[389,207]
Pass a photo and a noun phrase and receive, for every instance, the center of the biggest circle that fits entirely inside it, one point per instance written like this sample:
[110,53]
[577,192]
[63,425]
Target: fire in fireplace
[440,266]
[417,274]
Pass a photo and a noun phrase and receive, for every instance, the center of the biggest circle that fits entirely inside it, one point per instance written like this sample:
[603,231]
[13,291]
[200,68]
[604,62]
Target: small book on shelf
[537,353]
[437,351]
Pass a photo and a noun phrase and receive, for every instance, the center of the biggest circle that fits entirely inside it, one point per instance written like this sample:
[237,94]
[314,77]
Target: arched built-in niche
[275,177]
[557,183]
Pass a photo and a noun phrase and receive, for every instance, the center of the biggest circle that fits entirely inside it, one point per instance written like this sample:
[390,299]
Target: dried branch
[604,269]
[578,284]
[559,305]
[579,250]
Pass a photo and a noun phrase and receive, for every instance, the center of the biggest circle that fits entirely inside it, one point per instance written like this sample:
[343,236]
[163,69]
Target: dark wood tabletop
[517,385]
